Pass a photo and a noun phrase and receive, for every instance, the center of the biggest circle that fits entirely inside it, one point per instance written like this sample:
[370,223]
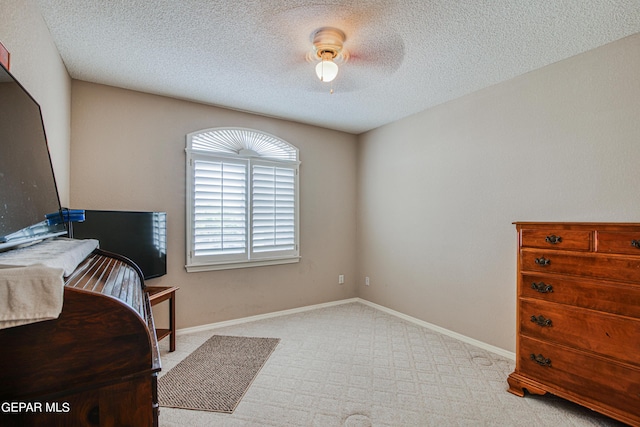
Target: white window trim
[250,155]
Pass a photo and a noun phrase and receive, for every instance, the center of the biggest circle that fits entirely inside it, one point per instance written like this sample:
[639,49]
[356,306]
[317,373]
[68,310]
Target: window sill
[194,268]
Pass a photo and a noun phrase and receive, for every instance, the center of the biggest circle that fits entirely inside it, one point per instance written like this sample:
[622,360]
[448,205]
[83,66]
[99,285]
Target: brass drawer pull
[553,239]
[543,261]
[541,360]
[635,243]
[541,320]
[542,287]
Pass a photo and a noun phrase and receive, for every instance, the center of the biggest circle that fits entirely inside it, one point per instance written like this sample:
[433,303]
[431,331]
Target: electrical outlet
[366,281]
[341,279]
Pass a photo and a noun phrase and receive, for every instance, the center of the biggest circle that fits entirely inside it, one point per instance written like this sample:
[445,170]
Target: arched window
[242,199]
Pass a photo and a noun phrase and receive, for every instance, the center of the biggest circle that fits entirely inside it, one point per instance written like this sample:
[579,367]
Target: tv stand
[157,294]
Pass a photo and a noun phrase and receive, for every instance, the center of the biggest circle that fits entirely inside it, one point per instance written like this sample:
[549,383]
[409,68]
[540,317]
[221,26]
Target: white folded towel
[60,252]
[30,294]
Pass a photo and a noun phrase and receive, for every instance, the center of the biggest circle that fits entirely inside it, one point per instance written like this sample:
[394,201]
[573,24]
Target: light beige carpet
[216,376]
[352,365]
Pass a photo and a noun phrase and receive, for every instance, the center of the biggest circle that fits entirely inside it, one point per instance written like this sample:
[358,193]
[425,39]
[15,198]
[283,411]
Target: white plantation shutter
[220,208]
[242,200]
[273,208]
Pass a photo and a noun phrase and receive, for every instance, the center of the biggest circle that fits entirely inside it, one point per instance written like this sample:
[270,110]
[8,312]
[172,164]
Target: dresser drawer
[576,240]
[590,378]
[603,333]
[616,298]
[619,242]
[578,264]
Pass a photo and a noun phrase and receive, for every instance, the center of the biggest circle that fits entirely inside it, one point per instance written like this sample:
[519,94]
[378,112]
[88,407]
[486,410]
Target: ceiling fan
[328,48]
[356,38]
[369,56]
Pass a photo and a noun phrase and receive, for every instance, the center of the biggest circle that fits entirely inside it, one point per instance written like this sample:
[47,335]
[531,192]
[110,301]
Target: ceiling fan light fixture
[327,43]
[326,69]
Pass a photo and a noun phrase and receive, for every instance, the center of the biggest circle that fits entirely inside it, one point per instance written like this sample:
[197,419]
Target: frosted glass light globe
[326,70]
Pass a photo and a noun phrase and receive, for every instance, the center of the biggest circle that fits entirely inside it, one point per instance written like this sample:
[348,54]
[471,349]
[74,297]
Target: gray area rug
[216,376]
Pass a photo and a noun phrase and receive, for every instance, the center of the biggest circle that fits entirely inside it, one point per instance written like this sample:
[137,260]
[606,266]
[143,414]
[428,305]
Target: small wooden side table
[157,294]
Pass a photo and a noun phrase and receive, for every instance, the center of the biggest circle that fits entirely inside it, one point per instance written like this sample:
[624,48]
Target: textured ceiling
[251,55]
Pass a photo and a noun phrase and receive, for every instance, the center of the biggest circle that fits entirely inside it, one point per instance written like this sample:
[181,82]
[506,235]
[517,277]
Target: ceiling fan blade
[386,54]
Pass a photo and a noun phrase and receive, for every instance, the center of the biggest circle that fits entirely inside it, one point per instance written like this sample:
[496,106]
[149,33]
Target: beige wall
[128,154]
[35,62]
[438,191]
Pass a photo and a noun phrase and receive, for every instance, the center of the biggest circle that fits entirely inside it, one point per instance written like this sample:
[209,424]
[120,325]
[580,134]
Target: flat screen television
[28,189]
[139,236]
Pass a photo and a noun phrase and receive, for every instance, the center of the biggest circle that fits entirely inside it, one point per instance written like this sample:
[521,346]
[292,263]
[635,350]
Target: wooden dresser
[578,315]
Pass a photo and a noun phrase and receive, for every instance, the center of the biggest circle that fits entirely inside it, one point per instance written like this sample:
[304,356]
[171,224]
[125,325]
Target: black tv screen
[139,236]
[28,189]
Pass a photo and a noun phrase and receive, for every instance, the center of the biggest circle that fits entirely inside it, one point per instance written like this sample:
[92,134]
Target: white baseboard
[263,316]
[463,338]
[443,331]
